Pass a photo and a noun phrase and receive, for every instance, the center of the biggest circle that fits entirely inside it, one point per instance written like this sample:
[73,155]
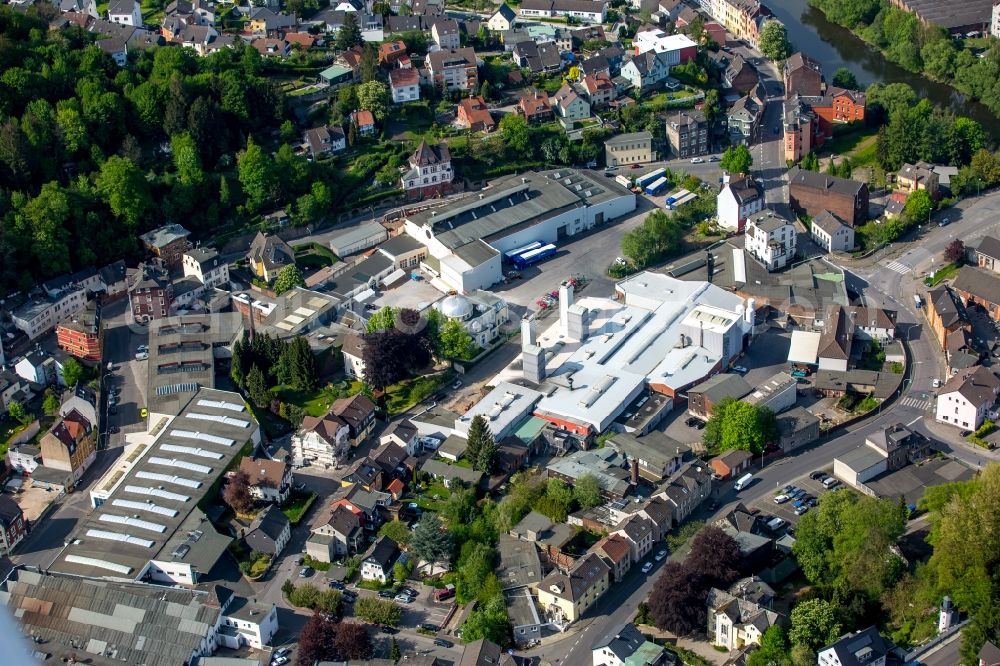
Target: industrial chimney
[565,300]
[635,471]
[527,333]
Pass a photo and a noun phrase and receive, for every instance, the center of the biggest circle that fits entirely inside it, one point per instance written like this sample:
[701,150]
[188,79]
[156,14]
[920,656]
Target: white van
[743,482]
[775,524]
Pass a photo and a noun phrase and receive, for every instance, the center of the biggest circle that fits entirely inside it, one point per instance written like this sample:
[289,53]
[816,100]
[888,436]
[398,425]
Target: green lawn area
[297,506]
[946,272]
[405,394]
[426,501]
[849,141]
[315,403]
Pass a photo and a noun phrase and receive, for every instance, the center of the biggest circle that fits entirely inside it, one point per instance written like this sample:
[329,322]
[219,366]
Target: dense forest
[91,155]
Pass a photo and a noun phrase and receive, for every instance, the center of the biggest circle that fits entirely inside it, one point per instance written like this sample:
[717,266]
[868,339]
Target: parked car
[385,594]
[801,510]
[831,483]
[142,356]
[692,422]
[305,572]
[647,567]
[817,475]
[740,369]
[714,158]
[660,555]
[798,503]
[408,590]
[337,585]
[349,596]
[403,599]
[965,433]
[142,348]
[279,661]
[944,222]
[781,499]
[386,629]
[430,627]
[456,384]
[696,160]
[936,383]
[440,642]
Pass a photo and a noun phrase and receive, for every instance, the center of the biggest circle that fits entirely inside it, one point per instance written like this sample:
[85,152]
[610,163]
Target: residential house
[325,140]
[831,233]
[40,313]
[446,472]
[358,412]
[364,122]
[125,12]
[646,71]
[270,480]
[606,464]
[474,114]
[404,85]
[444,32]
[796,428]
[803,76]
[272,47]
[967,398]
[320,441]
[80,334]
[626,646]
[735,622]
[268,255]
[454,69]
[627,149]
[584,11]
[595,65]
[687,489]
[873,324]
[703,397]
[534,105]
[976,286]
[812,193]
[988,254]
[430,171]
[836,339]
[886,450]
[616,552]
[69,446]
[679,47]
[989,654]
[391,54]
[688,133]
[404,434]
[13,388]
[946,313]
[338,535]
[657,454]
[861,647]
[13,526]
[207,266]
[39,368]
[599,89]
[564,597]
[265,22]
[201,12]
[744,117]
[538,57]
[737,201]
[550,537]
[731,464]
[353,350]
[771,239]
[638,531]
[269,532]
[379,559]
[502,19]
[569,105]
[739,75]
[372,504]
[920,176]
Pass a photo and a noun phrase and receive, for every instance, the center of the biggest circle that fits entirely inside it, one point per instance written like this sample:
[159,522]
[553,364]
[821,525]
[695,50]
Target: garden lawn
[405,394]
[314,403]
[946,272]
[297,506]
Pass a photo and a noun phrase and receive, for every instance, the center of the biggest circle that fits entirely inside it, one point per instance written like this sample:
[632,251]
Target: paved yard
[786,511]
[911,482]
[34,499]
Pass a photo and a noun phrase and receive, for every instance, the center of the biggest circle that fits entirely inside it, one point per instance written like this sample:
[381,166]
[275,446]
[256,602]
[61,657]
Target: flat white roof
[504,408]
[598,396]
[804,347]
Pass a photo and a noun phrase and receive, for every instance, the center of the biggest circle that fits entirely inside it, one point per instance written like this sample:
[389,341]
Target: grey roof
[110,622]
[629,138]
[882,384]
[190,453]
[383,552]
[400,244]
[622,641]
[828,222]
[454,445]
[271,250]
[822,181]
[796,420]
[989,246]
[861,458]
[505,11]
[947,305]
[587,571]
[725,385]
[270,522]
[862,647]
[476,253]
[978,386]
[164,235]
[745,189]
[984,285]
[655,448]
[520,565]
[442,470]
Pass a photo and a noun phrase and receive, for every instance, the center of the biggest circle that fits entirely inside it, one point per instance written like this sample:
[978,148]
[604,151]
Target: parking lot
[423,609]
[786,511]
[121,340]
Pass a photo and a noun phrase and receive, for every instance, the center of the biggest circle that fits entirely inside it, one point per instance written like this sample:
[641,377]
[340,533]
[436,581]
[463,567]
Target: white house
[320,441]
[403,433]
[739,199]
[862,647]
[205,265]
[41,313]
[570,105]
[270,480]
[967,398]
[404,83]
[771,239]
[125,12]
[619,648]
[379,560]
[646,71]
[734,622]
[679,48]
[638,531]
[831,234]
[444,32]
[353,351]
[585,11]
[243,622]
[41,368]
[502,19]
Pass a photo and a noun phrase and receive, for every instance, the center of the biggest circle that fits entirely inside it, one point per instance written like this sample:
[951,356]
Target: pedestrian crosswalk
[902,269]
[916,402]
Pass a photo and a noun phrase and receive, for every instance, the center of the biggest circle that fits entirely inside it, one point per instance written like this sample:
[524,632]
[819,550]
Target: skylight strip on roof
[169,478]
[219,419]
[183,464]
[117,536]
[145,506]
[214,439]
[100,564]
[133,522]
[157,492]
[192,450]
[221,404]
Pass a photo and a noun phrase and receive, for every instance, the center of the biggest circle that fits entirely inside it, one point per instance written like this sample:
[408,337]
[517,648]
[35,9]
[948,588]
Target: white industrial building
[661,334]
[467,237]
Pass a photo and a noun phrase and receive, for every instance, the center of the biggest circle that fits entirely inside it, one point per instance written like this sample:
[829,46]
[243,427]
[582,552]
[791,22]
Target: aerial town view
[500,332]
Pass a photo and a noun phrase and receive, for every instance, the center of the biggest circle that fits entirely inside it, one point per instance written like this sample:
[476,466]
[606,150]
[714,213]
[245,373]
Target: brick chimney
[635,471]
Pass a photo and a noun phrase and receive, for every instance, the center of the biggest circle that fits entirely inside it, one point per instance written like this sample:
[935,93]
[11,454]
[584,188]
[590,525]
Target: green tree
[256,386]
[50,405]
[394,652]
[587,491]
[455,342]
[516,134]
[773,41]
[556,502]
[474,566]
[254,169]
[123,187]
[919,206]
[773,649]
[844,78]
[430,543]
[18,413]
[382,319]
[739,425]
[288,277]
[814,624]
[489,620]
[486,460]
[187,160]
[374,96]
[74,372]
[378,611]
[396,530]
[479,432]
[350,32]
[737,159]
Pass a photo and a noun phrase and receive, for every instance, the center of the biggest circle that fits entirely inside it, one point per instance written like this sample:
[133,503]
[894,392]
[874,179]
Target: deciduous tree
[316,641]
[773,41]
[455,342]
[677,600]
[254,169]
[237,493]
[378,611]
[955,252]
[587,491]
[516,134]
[737,159]
[814,624]
[352,641]
[374,96]
[844,78]
[714,558]
[73,372]
[123,187]
[288,277]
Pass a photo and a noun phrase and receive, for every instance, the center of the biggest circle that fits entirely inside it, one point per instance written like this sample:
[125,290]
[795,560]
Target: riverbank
[927,52]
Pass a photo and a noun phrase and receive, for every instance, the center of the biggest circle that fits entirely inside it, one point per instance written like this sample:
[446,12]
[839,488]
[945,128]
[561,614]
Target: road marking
[915,402]
[902,269]
[914,420]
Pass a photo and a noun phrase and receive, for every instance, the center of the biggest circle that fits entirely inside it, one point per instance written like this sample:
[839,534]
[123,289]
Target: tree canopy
[735,424]
[737,159]
[773,41]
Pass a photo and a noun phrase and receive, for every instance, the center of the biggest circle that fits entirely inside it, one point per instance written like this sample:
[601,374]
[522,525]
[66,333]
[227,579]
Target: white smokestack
[565,300]
[748,315]
[527,333]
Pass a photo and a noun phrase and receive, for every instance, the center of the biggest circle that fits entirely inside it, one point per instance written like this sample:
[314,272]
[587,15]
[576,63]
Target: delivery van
[743,482]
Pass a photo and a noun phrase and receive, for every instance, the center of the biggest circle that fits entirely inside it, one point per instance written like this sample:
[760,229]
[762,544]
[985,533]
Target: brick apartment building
[168,243]
[812,193]
[13,526]
[151,293]
[80,334]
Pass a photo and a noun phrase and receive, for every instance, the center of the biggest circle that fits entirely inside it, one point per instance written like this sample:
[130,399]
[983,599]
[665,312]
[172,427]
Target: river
[835,47]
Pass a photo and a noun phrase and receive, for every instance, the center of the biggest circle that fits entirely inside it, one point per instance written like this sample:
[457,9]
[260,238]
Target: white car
[781,499]
[647,567]
[142,356]
[660,555]
[936,383]
[142,348]
[279,661]
[696,160]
